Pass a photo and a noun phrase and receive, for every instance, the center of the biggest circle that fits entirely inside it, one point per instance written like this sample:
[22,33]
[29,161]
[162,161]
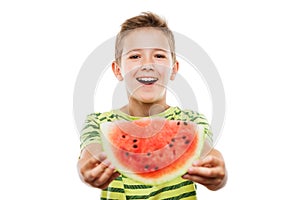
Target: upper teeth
[147,79]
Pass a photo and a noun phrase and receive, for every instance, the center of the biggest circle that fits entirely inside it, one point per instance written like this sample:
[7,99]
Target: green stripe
[112,116]
[168,188]
[177,113]
[88,121]
[97,114]
[197,117]
[103,118]
[119,178]
[189,114]
[168,116]
[136,187]
[172,187]
[91,125]
[203,123]
[113,189]
[86,136]
[91,133]
[137,197]
[123,117]
[184,195]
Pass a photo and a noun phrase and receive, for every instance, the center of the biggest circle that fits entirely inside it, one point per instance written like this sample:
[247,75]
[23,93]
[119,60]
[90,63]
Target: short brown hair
[145,19]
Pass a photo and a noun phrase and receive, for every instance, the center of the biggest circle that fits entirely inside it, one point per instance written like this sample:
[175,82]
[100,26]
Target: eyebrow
[155,49]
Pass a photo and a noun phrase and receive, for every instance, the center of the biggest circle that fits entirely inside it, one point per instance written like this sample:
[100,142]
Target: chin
[149,97]
[148,100]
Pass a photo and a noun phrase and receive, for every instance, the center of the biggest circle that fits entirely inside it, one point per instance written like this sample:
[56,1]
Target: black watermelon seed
[127,154]
[170,145]
[148,154]
[135,140]
[146,166]
[123,136]
[135,146]
[185,123]
[178,123]
[173,139]
[187,141]
[183,137]
[156,168]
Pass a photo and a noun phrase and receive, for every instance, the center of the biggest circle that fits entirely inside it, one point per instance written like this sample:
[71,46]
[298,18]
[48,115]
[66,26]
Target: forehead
[145,38]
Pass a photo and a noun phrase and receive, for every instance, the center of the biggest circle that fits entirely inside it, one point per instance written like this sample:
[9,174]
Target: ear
[117,70]
[174,70]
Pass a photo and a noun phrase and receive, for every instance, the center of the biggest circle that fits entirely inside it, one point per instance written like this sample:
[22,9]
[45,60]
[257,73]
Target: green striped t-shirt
[126,188]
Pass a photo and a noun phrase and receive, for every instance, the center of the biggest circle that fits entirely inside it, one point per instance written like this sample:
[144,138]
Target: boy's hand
[94,168]
[209,171]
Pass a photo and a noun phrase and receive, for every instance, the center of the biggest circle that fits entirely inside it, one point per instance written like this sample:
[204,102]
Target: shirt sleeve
[90,132]
[199,119]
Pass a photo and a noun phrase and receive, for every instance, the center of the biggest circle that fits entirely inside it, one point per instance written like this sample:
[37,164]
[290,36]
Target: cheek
[129,66]
[163,62]
[164,70]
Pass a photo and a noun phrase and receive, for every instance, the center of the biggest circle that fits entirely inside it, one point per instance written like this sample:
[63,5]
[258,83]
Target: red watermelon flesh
[152,150]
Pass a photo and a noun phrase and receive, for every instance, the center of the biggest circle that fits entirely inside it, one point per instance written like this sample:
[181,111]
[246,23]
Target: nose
[147,67]
[147,62]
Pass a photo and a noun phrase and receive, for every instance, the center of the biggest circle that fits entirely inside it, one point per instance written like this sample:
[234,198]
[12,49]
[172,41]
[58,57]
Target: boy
[145,60]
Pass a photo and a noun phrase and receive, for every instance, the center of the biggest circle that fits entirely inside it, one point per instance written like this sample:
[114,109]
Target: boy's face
[146,65]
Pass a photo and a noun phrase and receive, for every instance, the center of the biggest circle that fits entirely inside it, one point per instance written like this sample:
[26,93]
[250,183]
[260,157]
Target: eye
[134,57]
[160,56]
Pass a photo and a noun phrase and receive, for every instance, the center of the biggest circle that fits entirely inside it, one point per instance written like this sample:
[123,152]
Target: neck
[140,109]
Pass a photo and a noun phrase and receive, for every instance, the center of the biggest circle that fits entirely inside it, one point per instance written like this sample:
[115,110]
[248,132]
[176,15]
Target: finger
[87,164]
[107,163]
[113,177]
[89,160]
[208,161]
[105,177]
[203,180]
[207,172]
[96,172]
[95,150]
[100,156]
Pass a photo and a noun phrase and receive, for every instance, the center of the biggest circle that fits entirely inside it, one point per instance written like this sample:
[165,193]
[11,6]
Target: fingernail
[196,163]
[106,162]
[112,167]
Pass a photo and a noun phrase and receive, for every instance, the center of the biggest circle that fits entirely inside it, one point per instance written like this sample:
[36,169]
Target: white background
[254,44]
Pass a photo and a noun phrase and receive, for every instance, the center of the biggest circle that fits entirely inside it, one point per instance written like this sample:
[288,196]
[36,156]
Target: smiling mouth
[147,80]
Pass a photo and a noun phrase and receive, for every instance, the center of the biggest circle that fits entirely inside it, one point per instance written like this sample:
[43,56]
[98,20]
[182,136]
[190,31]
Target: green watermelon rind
[148,181]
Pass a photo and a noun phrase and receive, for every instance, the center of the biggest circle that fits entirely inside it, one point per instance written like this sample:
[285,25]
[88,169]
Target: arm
[94,168]
[209,171]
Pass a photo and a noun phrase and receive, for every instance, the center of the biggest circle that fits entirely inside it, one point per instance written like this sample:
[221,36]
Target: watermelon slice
[152,150]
